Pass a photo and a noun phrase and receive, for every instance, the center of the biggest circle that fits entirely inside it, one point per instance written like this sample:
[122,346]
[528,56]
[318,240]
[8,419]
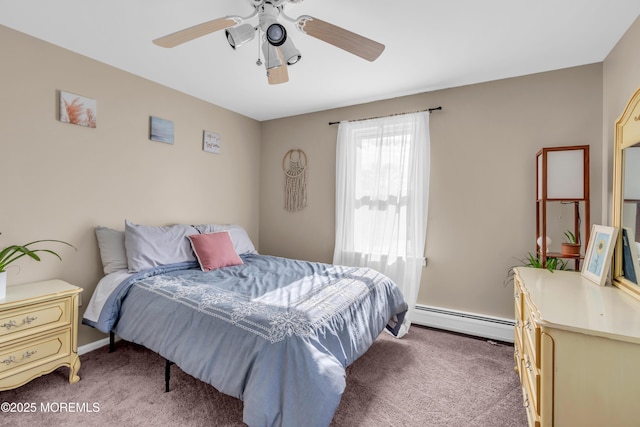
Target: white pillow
[112,252]
[241,241]
[149,246]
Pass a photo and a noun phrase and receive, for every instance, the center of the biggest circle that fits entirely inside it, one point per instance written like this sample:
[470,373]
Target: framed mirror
[626,199]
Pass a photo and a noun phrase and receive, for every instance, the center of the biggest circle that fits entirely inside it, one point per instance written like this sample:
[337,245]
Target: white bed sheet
[105,286]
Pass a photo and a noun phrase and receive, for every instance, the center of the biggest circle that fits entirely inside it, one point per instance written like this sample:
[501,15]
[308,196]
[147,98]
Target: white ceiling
[430,45]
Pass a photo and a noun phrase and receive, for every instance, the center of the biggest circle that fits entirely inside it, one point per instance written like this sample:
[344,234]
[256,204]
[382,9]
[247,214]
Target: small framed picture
[160,130]
[77,110]
[598,256]
[211,142]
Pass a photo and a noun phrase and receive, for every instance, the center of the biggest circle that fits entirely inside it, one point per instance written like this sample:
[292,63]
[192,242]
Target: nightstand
[38,332]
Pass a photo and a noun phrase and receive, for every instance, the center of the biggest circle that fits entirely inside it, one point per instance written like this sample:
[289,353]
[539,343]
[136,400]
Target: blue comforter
[274,332]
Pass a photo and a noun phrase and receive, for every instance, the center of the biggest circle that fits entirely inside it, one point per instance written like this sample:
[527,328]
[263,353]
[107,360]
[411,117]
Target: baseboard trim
[92,346]
[467,323]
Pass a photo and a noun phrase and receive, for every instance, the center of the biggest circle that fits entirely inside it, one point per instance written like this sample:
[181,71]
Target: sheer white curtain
[382,193]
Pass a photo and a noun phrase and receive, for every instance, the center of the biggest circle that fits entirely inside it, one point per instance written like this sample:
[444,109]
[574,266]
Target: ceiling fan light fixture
[290,53]
[276,34]
[271,58]
[279,51]
[240,34]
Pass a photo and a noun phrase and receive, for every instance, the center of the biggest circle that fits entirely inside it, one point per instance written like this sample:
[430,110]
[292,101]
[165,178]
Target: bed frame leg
[167,374]
[112,342]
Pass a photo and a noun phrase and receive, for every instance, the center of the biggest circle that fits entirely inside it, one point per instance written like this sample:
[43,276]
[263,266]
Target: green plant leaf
[571,238]
[12,253]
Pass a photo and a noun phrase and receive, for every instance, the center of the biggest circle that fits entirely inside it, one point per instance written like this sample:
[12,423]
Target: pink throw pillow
[214,250]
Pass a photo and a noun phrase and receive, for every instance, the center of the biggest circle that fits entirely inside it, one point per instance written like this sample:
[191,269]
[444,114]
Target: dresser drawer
[517,308]
[517,356]
[517,296]
[531,334]
[34,352]
[22,321]
[532,416]
[531,376]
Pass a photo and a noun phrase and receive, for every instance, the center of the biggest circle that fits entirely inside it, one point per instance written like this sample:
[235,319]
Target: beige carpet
[428,378]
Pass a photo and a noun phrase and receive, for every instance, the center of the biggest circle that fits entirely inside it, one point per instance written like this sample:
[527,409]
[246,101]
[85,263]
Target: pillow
[241,241]
[149,247]
[214,250]
[112,252]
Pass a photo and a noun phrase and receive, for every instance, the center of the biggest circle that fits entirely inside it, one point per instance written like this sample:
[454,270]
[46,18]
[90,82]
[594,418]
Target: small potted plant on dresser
[13,253]
[572,246]
[534,261]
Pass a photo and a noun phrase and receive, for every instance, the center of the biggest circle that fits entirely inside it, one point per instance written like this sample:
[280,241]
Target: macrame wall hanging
[294,165]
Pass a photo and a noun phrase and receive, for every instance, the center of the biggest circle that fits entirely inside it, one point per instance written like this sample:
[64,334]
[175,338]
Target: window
[382,192]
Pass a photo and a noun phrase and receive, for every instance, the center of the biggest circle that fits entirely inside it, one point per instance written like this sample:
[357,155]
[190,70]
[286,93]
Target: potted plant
[12,253]
[552,263]
[533,261]
[571,247]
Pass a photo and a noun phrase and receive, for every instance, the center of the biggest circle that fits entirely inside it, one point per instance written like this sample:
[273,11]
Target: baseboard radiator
[494,328]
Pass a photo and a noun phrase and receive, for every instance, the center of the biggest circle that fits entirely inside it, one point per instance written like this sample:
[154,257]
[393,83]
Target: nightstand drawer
[38,332]
[35,318]
[34,352]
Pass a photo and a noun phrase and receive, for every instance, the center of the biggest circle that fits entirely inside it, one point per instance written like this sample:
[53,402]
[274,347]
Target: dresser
[38,332]
[576,350]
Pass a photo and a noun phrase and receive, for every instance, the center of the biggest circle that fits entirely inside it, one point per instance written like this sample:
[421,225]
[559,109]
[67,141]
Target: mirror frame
[627,134]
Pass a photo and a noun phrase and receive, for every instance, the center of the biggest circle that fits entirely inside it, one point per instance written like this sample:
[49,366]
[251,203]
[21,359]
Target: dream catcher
[294,165]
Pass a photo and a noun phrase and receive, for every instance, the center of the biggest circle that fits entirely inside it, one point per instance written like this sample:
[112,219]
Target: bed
[274,332]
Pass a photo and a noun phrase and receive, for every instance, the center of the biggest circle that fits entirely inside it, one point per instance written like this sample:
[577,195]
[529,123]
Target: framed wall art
[211,142]
[77,110]
[597,259]
[160,130]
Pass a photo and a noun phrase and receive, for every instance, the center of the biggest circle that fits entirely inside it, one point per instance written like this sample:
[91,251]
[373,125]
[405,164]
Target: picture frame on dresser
[597,259]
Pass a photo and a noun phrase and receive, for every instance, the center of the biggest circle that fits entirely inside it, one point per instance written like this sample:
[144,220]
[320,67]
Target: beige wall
[59,180]
[621,78]
[482,200]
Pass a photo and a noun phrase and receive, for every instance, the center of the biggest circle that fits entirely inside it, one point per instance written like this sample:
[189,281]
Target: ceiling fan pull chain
[259,61]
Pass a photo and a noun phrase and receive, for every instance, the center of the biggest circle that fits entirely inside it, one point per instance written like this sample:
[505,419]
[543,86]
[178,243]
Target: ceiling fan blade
[279,74]
[188,34]
[339,37]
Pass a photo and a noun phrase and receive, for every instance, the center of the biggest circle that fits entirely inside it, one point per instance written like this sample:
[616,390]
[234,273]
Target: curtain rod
[430,110]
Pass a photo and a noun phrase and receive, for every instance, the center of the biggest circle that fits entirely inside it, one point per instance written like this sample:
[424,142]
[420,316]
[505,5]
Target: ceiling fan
[278,49]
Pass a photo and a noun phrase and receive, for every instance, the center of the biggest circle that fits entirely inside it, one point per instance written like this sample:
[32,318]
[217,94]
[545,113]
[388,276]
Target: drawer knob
[28,319]
[9,360]
[27,354]
[12,323]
